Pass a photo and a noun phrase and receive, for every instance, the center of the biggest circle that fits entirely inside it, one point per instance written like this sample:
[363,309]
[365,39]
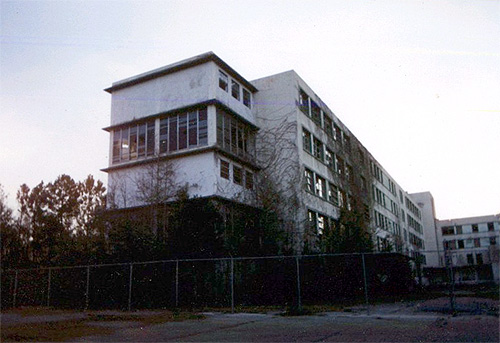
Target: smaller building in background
[466,247]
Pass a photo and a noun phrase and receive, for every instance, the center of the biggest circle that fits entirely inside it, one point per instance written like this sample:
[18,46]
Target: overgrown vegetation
[70,329]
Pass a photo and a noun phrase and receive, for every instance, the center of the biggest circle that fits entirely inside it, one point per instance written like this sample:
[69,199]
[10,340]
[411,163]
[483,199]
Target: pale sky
[417,82]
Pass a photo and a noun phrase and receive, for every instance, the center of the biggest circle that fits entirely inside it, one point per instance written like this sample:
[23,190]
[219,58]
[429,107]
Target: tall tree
[11,243]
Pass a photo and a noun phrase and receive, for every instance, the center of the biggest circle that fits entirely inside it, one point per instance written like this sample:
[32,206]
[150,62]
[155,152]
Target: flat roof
[177,66]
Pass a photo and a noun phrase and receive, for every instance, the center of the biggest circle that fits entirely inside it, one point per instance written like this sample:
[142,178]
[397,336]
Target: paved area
[330,327]
[427,321]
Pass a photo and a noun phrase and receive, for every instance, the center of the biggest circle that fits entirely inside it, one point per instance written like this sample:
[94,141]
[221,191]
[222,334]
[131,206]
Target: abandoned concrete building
[240,141]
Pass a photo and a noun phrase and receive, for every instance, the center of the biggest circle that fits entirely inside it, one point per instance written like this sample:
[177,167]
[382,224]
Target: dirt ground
[426,321]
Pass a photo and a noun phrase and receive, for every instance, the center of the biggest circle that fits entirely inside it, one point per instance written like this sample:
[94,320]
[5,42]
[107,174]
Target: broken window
[237,175]
[475,228]
[235,89]
[329,159]
[320,187]
[447,230]
[233,135]
[247,98]
[458,229]
[491,227]
[470,259]
[479,258]
[477,243]
[337,133]
[328,126]
[309,180]
[224,169]
[249,179]
[342,198]
[460,243]
[306,141]
[318,149]
[311,216]
[333,194]
[316,113]
[304,102]
[321,224]
[223,81]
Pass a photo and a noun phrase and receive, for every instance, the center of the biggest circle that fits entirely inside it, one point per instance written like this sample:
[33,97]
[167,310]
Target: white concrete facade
[210,123]
[188,92]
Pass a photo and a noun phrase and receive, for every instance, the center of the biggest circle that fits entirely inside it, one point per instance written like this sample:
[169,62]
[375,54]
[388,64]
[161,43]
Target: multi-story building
[469,247]
[225,137]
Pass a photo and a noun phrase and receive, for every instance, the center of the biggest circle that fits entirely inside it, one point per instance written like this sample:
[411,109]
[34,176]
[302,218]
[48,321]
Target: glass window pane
[150,148]
[172,133]
[223,80]
[133,142]
[193,129]
[163,135]
[246,98]
[116,145]
[141,141]
[125,145]
[235,89]
[202,127]
[182,131]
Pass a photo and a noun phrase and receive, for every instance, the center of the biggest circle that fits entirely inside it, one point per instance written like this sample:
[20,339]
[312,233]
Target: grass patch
[51,331]
[61,331]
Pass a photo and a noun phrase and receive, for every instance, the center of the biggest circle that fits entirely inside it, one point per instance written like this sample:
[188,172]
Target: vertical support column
[48,286]
[232,285]
[87,289]
[131,268]
[299,299]
[177,283]
[366,284]
[15,290]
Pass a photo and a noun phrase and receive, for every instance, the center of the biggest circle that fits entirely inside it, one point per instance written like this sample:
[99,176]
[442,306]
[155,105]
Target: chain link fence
[223,282]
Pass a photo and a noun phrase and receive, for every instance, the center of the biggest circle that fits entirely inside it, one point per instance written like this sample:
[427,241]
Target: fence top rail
[234,258]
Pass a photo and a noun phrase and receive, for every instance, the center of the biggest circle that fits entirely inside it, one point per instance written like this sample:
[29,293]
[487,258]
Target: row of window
[317,185]
[134,142]
[233,135]
[413,208]
[465,229]
[315,147]
[320,223]
[176,132]
[413,223]
[240,176]
[416,241]
[387,224]
[237,91]
[383,179]
[310,108]
[469,243]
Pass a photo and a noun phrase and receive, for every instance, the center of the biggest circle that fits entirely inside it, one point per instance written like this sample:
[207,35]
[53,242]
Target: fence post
[232,285]
[130,287]
[48,287]
[15,291]
[177,283]
[366,284]
[299,300]
[87,289]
